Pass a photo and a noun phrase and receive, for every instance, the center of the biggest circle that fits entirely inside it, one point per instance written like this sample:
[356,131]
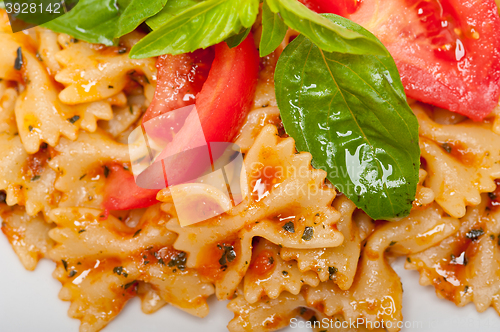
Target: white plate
[29,303]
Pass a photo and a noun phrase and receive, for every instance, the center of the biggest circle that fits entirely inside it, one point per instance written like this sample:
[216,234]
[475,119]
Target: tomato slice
[180,79]
[222,104]
[121,192]
[227,95]
[447,51]
[339,7]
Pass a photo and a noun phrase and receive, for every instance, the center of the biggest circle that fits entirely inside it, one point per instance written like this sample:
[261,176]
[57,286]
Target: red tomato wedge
[227,95]
[222,104]
[121,192]
[180,79]
[447,51]
[339,7]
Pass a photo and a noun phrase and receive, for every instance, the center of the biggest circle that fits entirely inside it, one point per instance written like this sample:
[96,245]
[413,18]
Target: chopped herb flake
[118,270]
[331,271]
[308,233]
[446,147]
[179,261]
[65,264]
[289,227]
[36,177]
[137,232]
[84,175]
[73,119]
[474,234]
[72,274]
[106,171]
[228,255]
[392,243]
[18,63]
[285,273]
[271,260]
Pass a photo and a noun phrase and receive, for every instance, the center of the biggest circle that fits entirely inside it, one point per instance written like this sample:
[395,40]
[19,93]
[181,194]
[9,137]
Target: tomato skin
[222,104]
[227,95]
[442,58]
[121,192]
[339,7]
[263,263]
[180,79]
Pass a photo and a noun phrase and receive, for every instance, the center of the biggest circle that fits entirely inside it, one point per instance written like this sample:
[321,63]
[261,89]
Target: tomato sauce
[211,256]
[263,263]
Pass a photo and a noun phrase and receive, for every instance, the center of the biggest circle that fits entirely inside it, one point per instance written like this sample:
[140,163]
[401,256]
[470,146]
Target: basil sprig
[181,26]
[199,26]
[338,89]
[350,112]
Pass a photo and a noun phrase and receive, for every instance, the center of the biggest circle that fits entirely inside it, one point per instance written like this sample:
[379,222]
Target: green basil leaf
[248,10]
[90,20]
[235,40]
[171,9]
[350,112]
[136,12]
[102,21]
[273,31]
[329,36]
[200,26]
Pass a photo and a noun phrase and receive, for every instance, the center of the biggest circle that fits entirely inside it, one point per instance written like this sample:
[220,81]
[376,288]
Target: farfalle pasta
[296,249]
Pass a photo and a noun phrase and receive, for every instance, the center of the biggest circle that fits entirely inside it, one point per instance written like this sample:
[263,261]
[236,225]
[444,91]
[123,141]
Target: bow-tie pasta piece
[376,293]
[462,161]
[28,235]
[82,168]
[266,315]
[93,72]
[464,267]
[49,47]
[269,275]
[8,97]
[256,120]
[287,203]
[151,301]
[27,179]
[101,262]
[338,264]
